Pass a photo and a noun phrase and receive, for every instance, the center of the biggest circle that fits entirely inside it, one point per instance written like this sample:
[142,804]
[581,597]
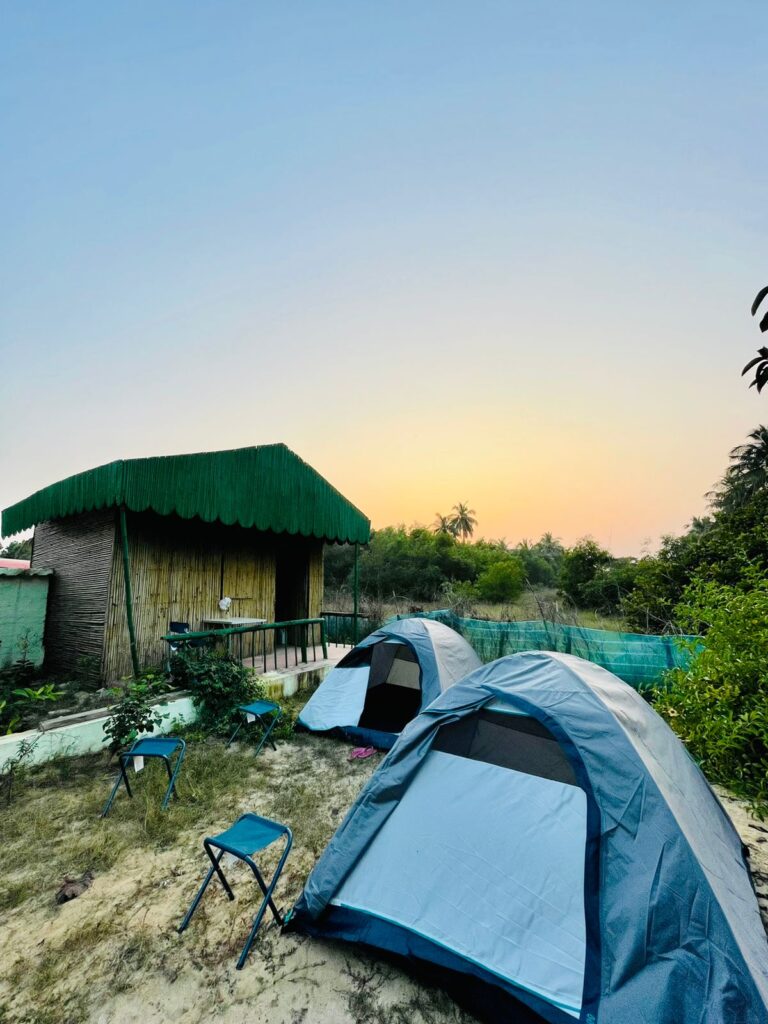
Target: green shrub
[218,684]
[136,712]
[719,705]
[501,581]
[579,568]
[22,704]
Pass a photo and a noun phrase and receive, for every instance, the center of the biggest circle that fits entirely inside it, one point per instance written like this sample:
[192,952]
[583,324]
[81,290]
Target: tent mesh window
[394,688]
[358,657]
[509,741]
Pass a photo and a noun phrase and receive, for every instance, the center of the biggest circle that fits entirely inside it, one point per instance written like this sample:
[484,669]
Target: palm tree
[443,524]
[760,362]
[747,473]
[463,520]
[549,546]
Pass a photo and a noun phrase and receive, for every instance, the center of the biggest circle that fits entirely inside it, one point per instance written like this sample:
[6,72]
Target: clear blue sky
[494,252]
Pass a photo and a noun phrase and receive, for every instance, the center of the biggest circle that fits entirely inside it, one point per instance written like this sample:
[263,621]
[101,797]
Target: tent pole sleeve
[128,594]
[356,593]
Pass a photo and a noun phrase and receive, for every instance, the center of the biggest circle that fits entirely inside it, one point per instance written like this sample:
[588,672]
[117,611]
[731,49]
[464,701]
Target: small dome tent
[540,839]
[386,680]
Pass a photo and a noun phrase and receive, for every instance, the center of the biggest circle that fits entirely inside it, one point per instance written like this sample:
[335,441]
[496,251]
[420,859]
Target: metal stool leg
[266,902]
[265,891]
[173,776]
[214,868]
[237,730]
[267,729]
[122,777]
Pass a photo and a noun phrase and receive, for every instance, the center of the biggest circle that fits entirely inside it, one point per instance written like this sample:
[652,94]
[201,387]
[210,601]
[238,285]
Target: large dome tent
[540,839]
[387,679]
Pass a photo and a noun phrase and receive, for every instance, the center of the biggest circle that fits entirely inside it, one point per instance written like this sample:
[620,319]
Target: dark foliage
[760,361]
[218,684]
[418,564]
[17,549]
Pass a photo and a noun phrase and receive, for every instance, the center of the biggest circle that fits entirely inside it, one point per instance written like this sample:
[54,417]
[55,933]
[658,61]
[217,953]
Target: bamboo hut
[137,544]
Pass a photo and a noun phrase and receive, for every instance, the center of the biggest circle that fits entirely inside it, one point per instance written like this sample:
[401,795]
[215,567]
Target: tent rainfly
[541,840]
[386,680]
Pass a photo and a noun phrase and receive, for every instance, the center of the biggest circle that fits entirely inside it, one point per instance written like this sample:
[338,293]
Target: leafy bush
[719,705]
[579,567]
[218,684]
[719,548]
[136,712]
[501,581]
[16,767]
[22,704]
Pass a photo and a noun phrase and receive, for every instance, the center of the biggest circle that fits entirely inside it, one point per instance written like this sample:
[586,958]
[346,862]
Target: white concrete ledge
[83,733]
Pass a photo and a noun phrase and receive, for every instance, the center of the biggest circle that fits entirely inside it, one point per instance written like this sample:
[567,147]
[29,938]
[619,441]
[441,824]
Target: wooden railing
[244,641]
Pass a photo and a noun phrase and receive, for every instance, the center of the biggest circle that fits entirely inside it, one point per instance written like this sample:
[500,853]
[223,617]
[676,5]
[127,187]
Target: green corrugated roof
[268,487]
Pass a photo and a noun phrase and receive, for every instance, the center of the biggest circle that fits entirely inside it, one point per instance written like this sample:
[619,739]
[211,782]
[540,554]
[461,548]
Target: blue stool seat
[257,711]
[249,834]
[155,746]
[163,747]
[259,707]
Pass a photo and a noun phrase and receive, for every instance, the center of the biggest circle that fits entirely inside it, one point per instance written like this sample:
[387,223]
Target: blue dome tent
[386,680]
[542,840]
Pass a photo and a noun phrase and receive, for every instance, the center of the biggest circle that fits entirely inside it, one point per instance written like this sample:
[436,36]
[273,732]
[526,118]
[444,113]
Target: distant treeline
[420,564]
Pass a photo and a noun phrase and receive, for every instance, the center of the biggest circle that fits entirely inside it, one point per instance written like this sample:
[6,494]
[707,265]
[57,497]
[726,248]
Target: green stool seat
[258,711]
[249,834]
[163,747]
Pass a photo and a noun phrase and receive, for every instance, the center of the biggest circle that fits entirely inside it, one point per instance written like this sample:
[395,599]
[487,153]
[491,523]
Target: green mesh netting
[638,659]
[340,627]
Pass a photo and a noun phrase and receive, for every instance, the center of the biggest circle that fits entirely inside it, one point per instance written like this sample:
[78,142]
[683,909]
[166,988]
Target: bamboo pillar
[356,593]
[128,594]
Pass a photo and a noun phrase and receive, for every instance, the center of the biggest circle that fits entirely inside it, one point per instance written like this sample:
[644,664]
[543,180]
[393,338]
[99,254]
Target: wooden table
[232,621]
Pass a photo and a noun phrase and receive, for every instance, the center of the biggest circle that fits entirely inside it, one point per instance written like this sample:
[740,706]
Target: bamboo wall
[79,550]
[181,568]
[316,579]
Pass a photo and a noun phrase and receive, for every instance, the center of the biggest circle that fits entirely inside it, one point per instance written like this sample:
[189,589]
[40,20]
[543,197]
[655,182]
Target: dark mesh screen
[509,741]
[357,656]
[381,663]
[390,708]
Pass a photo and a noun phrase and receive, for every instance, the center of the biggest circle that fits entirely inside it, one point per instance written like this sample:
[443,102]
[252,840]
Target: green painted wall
[23,598]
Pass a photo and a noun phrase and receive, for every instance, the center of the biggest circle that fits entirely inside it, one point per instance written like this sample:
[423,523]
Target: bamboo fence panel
[179,571]
[80,551]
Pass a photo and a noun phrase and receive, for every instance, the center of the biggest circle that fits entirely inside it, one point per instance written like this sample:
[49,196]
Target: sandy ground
[113,955]
[754,834]
[126,964]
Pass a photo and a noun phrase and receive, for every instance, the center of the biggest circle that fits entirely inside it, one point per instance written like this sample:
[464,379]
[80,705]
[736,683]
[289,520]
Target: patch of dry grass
[113,955]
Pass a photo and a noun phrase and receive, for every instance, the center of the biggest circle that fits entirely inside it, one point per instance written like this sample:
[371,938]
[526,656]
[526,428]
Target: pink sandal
[360,753]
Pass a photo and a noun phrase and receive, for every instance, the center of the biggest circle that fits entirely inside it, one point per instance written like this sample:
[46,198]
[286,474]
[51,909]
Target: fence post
[323,640]
[128,594]
[304,643]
